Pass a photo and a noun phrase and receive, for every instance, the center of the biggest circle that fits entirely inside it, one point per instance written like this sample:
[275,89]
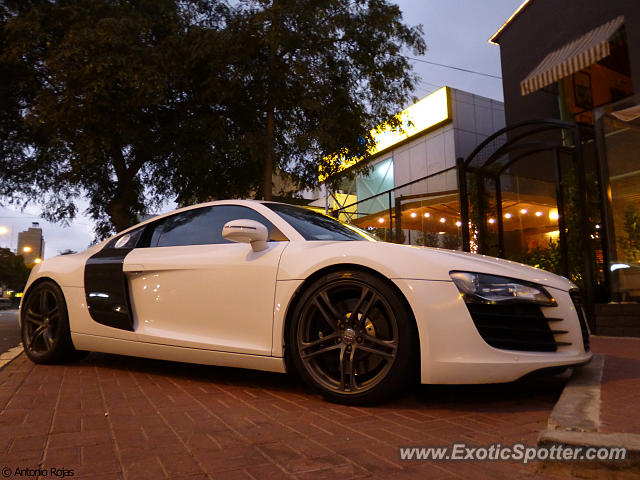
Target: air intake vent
[515,327]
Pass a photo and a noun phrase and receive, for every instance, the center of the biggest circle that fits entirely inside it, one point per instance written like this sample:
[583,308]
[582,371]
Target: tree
[102,104]
[13,272]
[12,93]
[133,102]
[630,243]
[317,76]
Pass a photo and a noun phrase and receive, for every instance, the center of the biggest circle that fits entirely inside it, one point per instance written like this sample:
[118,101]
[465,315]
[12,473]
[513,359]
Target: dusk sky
[456,33]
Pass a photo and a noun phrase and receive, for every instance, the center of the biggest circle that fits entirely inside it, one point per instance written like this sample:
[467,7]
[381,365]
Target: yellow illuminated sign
[427,113]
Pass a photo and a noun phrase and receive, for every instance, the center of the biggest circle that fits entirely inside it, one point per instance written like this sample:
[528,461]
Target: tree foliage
[318,75]
[13,272]
[131,103]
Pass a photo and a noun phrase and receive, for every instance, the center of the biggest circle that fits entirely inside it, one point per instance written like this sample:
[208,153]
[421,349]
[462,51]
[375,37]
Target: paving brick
[267,471]
[63,456]
[180,464]
[78,439]
[349,471]
[144,468]
[65,423]
[32,444]
[171,420]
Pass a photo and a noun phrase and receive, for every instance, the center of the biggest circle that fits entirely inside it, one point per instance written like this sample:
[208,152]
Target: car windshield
[315,226]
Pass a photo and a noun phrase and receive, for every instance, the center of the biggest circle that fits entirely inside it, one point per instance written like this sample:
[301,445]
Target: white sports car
[276,287]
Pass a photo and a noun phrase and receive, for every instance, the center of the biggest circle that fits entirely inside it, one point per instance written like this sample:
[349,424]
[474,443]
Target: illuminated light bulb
[381,220]
[507,215]
[27,249]
[492,220]
[414,214]
[38,260]
[3,230]
[553,214]
[524,211]
[443,220]
[458,223]
[539,213]
[427,215]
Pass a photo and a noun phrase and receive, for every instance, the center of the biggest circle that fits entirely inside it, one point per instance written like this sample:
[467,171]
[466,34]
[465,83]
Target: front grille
[577,302]
[515,327]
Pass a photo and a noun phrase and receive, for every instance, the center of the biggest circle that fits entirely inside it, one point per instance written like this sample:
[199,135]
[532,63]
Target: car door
[190,287]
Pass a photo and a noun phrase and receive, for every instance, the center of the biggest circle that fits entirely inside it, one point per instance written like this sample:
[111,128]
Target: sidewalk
[115,417]
[598,409]
[620,390]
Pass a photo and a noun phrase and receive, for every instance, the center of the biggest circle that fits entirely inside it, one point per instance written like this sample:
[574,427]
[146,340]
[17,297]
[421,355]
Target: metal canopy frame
[520,146]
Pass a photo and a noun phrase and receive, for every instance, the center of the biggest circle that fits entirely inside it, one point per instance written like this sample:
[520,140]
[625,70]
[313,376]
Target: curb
[575,421]
[578,408]
[10,355]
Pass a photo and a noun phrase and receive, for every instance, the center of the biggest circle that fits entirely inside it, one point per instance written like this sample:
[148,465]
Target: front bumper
[453,351]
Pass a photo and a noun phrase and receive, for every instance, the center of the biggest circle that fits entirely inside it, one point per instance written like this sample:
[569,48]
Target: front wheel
[353,338]
[45,326]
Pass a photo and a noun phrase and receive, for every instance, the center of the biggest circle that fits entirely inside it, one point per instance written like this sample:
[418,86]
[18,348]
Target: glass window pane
[314,226]
[203,226]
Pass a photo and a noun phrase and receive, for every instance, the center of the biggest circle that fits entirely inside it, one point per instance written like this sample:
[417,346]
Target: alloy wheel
[41,319]
[347,336]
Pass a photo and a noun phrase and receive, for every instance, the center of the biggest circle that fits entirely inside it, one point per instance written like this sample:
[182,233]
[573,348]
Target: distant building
[31,244]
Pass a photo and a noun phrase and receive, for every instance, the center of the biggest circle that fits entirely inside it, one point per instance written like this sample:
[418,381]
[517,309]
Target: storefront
[571,77]
[409,193]
[555,186]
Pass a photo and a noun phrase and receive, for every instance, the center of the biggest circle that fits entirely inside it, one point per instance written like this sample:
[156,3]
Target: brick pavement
[619,408]
[113,417]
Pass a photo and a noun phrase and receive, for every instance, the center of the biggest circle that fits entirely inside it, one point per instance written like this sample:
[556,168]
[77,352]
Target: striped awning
[573,57]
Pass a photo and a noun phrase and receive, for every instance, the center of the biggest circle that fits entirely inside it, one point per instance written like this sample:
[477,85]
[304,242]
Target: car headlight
[483,288]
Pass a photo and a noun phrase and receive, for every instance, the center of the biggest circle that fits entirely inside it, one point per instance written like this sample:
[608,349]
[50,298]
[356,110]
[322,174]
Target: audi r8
[277,287]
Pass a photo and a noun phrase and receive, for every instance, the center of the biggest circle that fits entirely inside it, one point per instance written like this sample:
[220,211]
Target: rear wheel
[45,326]
[353,338]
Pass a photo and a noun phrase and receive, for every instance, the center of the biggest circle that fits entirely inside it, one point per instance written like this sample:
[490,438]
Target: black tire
[45,326]
[352,338]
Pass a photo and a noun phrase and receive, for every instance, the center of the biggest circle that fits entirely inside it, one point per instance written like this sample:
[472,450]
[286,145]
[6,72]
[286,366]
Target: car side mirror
[246,231]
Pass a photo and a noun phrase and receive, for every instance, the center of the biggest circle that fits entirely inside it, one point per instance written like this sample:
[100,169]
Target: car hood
[301,259]
[497,266]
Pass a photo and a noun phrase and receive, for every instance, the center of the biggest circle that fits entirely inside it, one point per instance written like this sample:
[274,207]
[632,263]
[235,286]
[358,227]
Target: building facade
[551,178]
[571,78]
[31,244]
[409,193]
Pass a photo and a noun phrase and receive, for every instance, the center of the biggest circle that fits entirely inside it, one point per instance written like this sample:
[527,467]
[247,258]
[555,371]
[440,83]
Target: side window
[202,226]
[128,240]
